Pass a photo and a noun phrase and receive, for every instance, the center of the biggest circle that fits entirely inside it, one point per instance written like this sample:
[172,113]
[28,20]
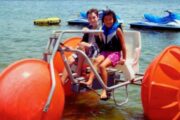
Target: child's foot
[88,83]
[104,95]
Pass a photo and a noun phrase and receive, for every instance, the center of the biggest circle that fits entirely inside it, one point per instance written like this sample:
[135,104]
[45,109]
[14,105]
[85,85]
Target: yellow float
[47,21]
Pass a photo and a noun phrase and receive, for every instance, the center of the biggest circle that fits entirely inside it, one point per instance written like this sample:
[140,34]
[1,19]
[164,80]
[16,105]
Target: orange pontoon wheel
[24,89]
[160,90]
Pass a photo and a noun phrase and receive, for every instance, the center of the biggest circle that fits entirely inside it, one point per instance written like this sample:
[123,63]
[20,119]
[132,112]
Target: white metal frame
[54,45]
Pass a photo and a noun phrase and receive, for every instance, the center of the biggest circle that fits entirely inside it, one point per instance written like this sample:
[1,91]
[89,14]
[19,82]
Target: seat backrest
[133,41]
[133,46]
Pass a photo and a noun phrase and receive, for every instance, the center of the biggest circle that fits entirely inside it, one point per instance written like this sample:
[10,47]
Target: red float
[160,91]
[24,89]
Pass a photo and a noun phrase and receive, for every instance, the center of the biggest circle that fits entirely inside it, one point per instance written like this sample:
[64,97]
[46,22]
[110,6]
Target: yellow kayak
[47,21]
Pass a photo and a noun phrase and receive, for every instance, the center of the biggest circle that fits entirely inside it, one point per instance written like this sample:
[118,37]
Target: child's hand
[84,44]
[122,61]
[85,29]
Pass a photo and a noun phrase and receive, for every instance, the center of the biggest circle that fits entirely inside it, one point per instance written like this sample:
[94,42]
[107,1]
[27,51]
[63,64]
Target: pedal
[77,87]
[78,79]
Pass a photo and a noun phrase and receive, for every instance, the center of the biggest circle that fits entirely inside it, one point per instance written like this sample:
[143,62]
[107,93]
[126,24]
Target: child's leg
[65,73]
[107,62]
[96,62]
[64,76]
[111,59]
[80,64]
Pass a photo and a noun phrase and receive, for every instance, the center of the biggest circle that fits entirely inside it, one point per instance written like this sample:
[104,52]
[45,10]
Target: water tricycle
[168,22]
[32,88]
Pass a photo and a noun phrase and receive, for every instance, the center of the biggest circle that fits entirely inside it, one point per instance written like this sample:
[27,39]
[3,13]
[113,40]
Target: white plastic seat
[133,46]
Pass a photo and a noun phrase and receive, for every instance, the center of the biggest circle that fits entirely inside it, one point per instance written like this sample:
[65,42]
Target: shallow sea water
[20,38]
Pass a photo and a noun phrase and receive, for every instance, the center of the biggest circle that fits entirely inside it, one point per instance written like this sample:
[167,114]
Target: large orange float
[25,86]
[24,89]
[161,86]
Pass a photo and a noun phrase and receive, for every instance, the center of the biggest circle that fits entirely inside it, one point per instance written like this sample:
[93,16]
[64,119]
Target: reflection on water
[87,106]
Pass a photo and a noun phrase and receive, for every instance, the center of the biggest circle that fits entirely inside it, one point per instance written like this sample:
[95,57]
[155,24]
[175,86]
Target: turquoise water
[19,38]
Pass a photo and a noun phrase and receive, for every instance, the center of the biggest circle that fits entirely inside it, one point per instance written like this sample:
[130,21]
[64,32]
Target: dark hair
[109,12]
[93,10]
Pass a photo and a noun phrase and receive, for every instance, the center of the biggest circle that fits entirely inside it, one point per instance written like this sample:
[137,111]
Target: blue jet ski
[169,22]
[82,19]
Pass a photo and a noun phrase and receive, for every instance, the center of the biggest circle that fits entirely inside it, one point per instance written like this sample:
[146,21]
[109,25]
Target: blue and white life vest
[111,41]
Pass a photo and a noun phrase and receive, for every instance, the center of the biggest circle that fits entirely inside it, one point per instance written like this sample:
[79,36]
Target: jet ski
[150,21]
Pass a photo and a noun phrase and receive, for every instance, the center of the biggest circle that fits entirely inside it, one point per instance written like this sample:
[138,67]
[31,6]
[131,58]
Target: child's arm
[84,44]
[122,42]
